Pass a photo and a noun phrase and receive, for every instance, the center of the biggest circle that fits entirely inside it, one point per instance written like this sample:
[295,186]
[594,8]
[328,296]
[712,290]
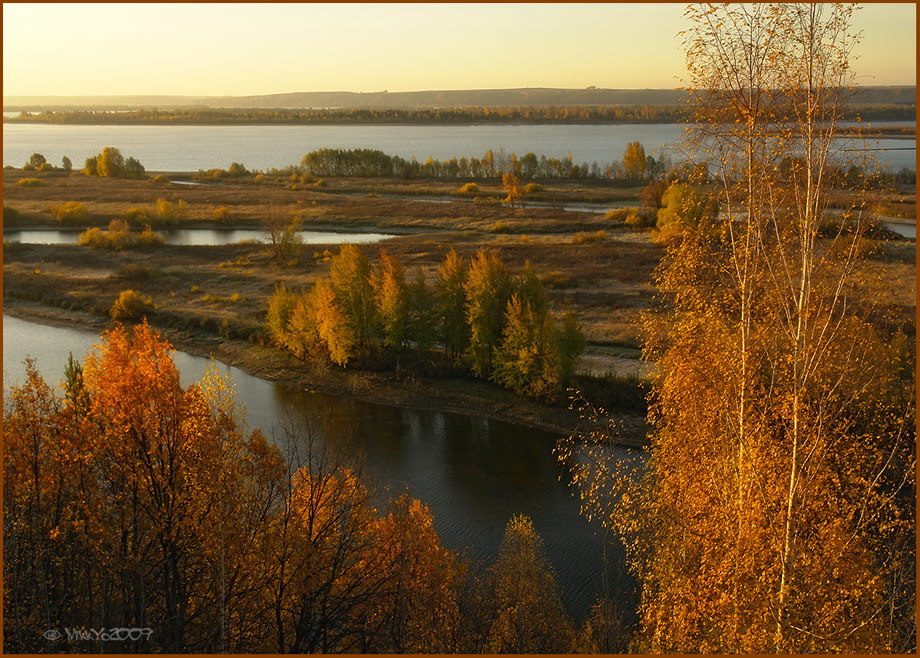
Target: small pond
[197,236]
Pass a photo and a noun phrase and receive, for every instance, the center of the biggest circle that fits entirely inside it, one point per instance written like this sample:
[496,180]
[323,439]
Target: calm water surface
[195,236]
[473,473]
[190,148]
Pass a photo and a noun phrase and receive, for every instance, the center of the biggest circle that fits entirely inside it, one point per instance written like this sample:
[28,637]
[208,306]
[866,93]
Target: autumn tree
[110,163]
[685,205]
[451,298]
[487,288]
[137,528]
[531,359]
[751,529]
[36,160]
[421,610]
[47,495]
[519,358]
[138,502]
[90,166]
[512,187]
[335,328]
[634,160]
[134,169]
[280,306]
[652,194]
[283,235]
[342,576]
[350,279]
[529,615]
[391,296]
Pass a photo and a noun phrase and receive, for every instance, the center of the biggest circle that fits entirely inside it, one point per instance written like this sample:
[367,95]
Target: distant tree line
[441,115]
[551,114]
[374,163]
[495,324]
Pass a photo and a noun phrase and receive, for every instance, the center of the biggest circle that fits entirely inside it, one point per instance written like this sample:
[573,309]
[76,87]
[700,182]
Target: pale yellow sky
[243,49]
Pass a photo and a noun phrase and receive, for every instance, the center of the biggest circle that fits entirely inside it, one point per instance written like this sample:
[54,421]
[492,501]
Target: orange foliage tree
[778,504]
[135,502]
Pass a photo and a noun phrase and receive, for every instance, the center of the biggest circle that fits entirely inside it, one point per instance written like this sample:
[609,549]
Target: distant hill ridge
[537,96]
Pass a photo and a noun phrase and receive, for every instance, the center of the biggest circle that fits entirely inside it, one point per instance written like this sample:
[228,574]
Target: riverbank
[465,396]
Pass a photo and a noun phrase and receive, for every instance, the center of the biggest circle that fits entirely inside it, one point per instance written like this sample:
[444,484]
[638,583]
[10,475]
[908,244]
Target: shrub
[533,188]
[137,216]
[161,179]
[223,215]
[641,219]
[500,227]
[118,226]
[618,214]
[469,188]
[94,238]
[171,212]
[31,182]
[147,238]
[584,236]
[46,166]
[118,237]
[261,178]
[130,305]
[320,183]
[71,212]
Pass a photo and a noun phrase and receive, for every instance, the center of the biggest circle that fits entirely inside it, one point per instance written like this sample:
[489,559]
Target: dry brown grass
[607,282]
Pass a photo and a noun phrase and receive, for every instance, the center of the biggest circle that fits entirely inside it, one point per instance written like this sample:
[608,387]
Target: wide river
[473,473]
[190,148]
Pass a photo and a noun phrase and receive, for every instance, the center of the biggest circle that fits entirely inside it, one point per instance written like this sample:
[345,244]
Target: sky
[251,49]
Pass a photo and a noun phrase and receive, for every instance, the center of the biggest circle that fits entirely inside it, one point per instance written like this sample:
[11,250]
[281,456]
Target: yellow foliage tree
[779,491]
[529,615]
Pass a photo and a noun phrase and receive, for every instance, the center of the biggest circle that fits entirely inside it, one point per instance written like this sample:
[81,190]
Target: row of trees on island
[496,324]
[140,516]
[375,163]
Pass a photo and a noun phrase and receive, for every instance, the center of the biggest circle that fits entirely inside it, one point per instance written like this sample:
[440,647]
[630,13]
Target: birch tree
[774,513]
